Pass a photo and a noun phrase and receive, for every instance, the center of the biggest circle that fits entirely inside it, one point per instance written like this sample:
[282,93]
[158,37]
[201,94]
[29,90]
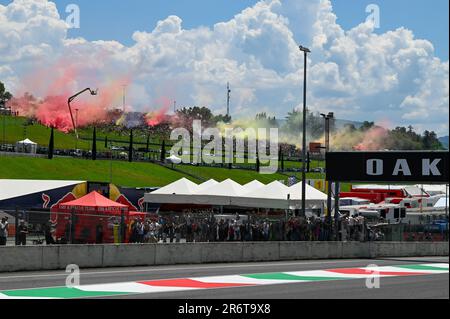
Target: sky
[396,74]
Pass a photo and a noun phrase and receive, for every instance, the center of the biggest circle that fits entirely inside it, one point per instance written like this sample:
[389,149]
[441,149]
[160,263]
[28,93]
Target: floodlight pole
[305,54]
[327,149]
[70,108]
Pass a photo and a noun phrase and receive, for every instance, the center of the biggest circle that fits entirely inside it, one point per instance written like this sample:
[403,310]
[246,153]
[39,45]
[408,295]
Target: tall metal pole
[76,118]
[327,146]
[110,164]
[228,99]
[76,127]
[71,117]
[123,98]
[4,129]
[305,54]
[70,108]
[336,210]
[446,206]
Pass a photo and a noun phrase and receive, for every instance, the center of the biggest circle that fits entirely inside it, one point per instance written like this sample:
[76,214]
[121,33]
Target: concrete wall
[91,256]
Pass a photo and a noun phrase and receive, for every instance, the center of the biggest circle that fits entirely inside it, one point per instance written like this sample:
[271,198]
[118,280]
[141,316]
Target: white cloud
[357,73]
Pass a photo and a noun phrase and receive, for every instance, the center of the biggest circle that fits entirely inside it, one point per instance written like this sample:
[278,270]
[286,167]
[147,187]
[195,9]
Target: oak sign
[388,166]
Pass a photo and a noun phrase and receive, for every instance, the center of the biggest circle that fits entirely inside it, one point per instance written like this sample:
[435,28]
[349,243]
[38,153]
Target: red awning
[94,199]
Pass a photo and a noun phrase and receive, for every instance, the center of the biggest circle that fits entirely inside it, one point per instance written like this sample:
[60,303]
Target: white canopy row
[255,194]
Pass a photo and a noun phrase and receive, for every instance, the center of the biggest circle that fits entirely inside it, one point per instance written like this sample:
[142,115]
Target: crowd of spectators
[211,229]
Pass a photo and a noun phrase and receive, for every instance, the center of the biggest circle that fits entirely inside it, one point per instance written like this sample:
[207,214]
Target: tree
[94,144]
[163,151]
[281,156]
[147,149]
[430,141]
[258,164]
[349,127]
[221,118]
[196,113]
[315,125]
[51,145]
[130,147]
[106,141]
[185,117]
[5,96]
[366,126]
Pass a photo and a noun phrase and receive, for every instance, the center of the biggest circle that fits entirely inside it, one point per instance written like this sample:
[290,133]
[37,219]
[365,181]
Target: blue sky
[118,19]
[387,75]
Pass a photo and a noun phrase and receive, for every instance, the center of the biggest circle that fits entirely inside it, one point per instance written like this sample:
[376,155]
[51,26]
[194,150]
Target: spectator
[22,232]
[48,232]
[3,231]
[265,228]
[189,231]
[212,230]
[230,231]
[236,230]
[140,231]
[170,231]
[177,231]
[134,234]
[99,234]
[146,231]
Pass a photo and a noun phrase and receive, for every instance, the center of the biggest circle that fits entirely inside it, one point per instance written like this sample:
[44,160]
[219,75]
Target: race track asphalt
[434,286]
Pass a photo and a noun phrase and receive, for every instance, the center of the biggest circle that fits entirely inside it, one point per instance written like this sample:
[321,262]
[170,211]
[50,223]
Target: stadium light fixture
[70,108]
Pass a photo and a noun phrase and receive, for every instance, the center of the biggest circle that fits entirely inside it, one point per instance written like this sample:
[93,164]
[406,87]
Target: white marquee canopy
[255,194]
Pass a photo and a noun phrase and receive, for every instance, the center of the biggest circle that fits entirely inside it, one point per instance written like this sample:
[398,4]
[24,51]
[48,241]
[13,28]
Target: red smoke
[374,140]
[53,110]
[157,117]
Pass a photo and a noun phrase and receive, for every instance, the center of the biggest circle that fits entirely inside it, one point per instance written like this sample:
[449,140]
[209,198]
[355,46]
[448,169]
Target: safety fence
[45,228]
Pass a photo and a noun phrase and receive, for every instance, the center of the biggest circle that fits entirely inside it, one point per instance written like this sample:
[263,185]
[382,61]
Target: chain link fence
[45,228]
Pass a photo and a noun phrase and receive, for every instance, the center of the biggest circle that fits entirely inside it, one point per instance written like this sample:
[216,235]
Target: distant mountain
[444,141]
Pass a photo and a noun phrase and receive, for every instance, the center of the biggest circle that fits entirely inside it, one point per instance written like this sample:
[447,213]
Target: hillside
[14,129]
[123,173]
[444,141]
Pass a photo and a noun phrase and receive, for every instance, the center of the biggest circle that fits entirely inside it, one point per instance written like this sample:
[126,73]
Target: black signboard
[406,166]
[100,187]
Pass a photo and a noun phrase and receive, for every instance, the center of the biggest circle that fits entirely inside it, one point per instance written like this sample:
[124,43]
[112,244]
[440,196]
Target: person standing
[99,234]
[177,230]
[3,231]
[141,229]
[170,230]
[22,231]
[48,230]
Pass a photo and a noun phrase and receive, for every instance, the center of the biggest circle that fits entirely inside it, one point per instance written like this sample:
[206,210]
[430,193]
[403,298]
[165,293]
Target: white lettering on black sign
[428,167]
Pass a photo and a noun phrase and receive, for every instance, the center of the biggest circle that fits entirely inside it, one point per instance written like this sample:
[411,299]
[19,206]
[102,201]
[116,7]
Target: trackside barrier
[16,258]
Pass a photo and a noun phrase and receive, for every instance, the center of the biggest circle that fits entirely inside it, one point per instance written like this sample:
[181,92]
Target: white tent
[226,188]
[207,184]
[280,196]
[180,187]
[219,194]
[12,188]
[253,186]
[179,192]
[26,146]
[312,194]
[274,190]
[229,193]
[27,142]
[174,159]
